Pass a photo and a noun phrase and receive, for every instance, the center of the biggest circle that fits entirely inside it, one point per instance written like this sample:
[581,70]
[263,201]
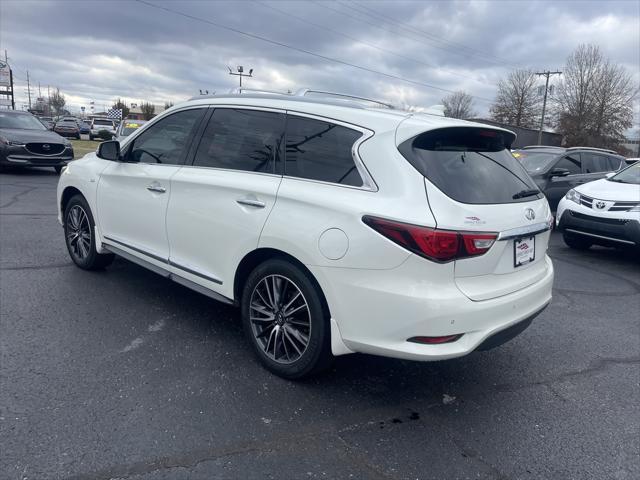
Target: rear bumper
[378,311]
[602,231]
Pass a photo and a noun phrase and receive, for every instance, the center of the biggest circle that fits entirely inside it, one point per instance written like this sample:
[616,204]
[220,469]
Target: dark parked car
[557,170]
[47,122]
[67,127]
[85,128]
[26,142]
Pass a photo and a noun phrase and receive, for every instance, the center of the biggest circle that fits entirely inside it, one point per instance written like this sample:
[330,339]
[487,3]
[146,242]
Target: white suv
[335,227]
[99,124]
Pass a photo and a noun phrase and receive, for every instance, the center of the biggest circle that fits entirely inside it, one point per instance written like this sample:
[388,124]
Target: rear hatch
[474,184]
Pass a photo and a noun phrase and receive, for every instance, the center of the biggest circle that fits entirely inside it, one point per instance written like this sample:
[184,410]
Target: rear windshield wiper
[526,193]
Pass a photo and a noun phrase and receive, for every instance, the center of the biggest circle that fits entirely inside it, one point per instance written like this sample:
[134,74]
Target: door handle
[156,187]
[251,203]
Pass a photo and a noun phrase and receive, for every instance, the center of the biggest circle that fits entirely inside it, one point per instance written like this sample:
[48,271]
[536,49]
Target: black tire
[575,242]
[58,169]
[316,355]
[80,239]
[78,137]
[90,137]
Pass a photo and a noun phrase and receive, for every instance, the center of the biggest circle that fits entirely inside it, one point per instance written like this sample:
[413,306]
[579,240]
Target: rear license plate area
[524,251]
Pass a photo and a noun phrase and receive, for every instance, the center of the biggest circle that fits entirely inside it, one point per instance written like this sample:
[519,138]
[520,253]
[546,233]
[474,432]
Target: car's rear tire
[286,320]
[79,231]
[575,242]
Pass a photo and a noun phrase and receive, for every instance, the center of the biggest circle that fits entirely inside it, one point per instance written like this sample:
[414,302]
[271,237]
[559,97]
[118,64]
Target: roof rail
[305,91]
[241,90]
[540,146]
[594,148]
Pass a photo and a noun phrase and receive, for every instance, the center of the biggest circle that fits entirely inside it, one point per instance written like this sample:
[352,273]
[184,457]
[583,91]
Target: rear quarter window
[470,165]
[320,150]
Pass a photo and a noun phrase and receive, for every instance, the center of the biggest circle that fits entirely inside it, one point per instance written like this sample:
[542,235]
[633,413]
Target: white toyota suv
[335,227]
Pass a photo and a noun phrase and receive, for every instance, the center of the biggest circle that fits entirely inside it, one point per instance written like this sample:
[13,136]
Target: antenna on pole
[240,73]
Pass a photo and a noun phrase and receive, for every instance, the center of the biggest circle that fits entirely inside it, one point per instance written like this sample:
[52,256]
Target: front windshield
[129,128]
[25,122]
[630,174]
[534,162]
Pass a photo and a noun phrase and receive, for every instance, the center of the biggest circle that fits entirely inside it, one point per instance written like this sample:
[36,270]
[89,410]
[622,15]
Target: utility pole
[546,74]
[241,73]
[29,89]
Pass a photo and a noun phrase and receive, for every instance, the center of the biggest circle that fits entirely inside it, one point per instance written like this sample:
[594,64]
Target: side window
[240,139]
[166,141]
[614,163]
[571,162]
[320,150]
[594,162]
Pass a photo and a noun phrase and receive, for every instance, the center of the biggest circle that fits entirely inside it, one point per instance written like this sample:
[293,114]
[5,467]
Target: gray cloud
[102,50]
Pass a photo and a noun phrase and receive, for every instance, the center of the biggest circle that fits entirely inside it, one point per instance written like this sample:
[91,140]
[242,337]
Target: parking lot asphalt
[124,374]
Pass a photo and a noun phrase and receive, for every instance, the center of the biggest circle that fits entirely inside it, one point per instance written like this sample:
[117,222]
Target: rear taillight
[431,243]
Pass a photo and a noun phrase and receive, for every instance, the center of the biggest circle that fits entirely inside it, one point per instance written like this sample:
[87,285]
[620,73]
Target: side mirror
[109,150]
[559,172]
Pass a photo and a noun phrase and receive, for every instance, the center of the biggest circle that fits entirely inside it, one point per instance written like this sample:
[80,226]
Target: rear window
[535,162]
[103,122]
[471,165]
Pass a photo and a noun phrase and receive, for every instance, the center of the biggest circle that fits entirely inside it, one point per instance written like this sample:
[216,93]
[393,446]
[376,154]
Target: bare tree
[595,100]
[458,105]
[148,110]
[57,101]
[517,102]
[168,105]
[120,104]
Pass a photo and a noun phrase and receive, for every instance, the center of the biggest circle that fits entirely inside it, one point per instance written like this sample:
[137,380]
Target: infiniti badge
[530,214]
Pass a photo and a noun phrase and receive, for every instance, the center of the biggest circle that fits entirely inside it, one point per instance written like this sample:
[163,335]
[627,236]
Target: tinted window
[535,161]
[614,163]
[166,141]
[103,122]
[20,120]
[628,175]
[594,162]
[321,150]
[241,139]
[571,162]
[471,165]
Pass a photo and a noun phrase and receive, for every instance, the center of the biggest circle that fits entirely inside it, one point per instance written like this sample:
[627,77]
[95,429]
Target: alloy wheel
[78,232]
[280,319]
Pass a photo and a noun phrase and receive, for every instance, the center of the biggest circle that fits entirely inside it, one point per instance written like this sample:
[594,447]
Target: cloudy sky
[404,51]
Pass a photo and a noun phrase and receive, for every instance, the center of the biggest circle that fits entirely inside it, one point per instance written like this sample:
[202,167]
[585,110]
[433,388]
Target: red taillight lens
[435,340]
[431,243]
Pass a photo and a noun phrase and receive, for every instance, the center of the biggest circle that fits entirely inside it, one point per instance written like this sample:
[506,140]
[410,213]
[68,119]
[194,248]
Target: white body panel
[379,294]
[129,212]
[210,232]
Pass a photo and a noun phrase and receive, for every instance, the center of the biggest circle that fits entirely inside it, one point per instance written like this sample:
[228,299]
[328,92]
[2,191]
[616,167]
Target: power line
[488,56]
[297,49]
[383,28]
[391,52]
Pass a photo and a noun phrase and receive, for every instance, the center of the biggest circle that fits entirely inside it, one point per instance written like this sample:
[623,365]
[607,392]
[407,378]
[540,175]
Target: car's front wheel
[575,242]
[79,228]
[286,320]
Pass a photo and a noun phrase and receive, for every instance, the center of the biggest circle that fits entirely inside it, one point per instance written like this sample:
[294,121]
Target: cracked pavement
[122,374]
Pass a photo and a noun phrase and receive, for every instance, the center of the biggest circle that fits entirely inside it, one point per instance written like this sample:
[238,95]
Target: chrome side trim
[136,249]
[159,259]
[522,231]
[200,289]
[167,274]
[132,258]
[599,236]
[195,272]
